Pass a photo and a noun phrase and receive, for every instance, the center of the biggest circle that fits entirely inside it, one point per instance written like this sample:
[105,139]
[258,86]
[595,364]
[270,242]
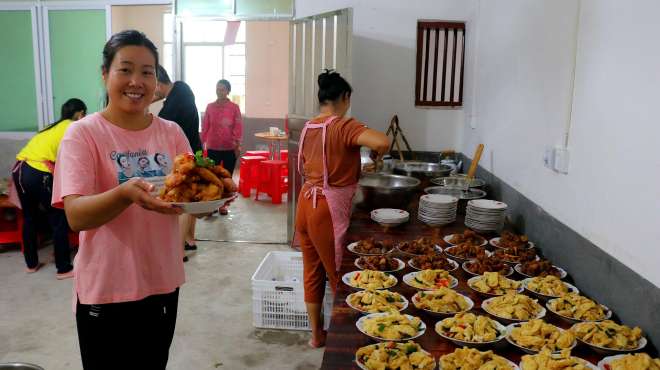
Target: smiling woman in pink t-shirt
[129,267]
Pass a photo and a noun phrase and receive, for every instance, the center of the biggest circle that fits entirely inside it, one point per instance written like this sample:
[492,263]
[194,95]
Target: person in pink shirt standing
[129,268]
[222,129]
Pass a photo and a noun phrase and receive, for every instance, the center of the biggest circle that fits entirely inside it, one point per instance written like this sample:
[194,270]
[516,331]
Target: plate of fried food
[509,239]
[369,280]
[394,356]
[391,326]
[371,247]
[548,286]
[379,263]
[432,262]
[419,247]
[637,361]
[513,307]
[197,184]
[540,267]
[467,237]
[515,255]
[575,308]
[483,264]
[466,252]
[373,301]
[443,301]
[470,330]
[537,335]
[430,279]
[494,284]
[470,358]
[547,360]
[608,337]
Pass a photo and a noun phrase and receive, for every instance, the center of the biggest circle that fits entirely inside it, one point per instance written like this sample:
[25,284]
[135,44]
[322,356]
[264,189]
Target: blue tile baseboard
[632,298]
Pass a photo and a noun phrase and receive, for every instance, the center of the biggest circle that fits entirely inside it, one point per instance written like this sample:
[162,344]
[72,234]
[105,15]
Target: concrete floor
[214,326]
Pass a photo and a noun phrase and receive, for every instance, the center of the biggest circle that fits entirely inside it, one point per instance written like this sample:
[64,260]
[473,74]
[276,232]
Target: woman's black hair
[123,39]
[226,83]
[119,156]
[69,109]
[156,158]
[332,87]
[162,75]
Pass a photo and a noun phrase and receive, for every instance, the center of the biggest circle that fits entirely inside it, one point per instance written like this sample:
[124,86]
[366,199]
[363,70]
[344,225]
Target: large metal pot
[380,190]
[425,171]
[19,366]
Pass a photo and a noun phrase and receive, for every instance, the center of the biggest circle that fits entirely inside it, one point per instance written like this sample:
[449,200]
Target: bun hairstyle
[332,87]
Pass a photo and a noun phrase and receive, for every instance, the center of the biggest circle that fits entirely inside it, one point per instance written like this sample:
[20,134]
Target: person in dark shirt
[179,106]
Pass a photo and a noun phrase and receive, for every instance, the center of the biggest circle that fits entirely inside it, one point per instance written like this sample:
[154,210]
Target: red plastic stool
[249,174]
[262,153]
[272,180]
[11,232]
[284,154]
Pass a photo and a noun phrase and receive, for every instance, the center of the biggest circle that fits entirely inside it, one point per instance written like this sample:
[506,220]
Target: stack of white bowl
[485,214]
[437,209]
[390,216]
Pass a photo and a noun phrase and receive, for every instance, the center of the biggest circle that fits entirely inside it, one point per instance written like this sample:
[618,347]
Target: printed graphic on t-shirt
[152,167]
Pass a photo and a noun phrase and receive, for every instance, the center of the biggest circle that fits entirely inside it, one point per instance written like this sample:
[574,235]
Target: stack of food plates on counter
[437,209]
[485,214]
[390,216]
[507,308]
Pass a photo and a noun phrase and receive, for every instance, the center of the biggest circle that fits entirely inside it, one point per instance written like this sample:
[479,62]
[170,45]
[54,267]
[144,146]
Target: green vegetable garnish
[389,299]
[203,162]
[410,349]
[381,327]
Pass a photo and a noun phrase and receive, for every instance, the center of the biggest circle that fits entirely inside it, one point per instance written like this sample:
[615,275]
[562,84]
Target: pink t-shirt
[138,253]
[222,126]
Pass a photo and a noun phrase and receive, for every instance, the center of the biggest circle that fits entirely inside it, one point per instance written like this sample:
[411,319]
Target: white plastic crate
[278,293]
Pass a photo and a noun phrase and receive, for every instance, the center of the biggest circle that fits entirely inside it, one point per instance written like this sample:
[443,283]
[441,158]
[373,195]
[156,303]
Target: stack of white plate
[485,214]
[390,216]
[437,209]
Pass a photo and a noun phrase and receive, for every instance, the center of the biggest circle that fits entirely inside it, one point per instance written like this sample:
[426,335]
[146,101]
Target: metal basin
[19,366]
[458,182]
[425,171]
[380,190]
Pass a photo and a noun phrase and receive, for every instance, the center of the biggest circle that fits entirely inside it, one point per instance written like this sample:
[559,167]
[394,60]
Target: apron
[339,198]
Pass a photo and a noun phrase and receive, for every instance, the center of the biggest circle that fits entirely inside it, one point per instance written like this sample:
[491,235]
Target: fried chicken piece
[208,192]
[184,163]
[174,179]
[229,185]
[220,171]
[209,176]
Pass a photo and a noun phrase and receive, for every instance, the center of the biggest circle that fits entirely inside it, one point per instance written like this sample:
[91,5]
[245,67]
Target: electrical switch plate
[561,160]
[549,158]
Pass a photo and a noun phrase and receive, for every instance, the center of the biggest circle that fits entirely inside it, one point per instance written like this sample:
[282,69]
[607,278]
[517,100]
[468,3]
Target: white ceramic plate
[415,298]
[364,367]
[487,204]
[347,280]
[453,263]
[486,302]
[447,239]
[512,364]
[586,363]
[608,313]
[501,329]
[526,349]
[442,199]
[465,268]
[360,326]
[571,289]
[402,265]
[198,208]
[348,299]
[608,361]
[562,272]
[389,215]
[351,247]
[471,281]
[409,277]
[495,242]
[612,351]
[449,250]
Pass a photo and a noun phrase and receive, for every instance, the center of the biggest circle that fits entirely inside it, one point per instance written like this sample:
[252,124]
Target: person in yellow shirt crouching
[33,180]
